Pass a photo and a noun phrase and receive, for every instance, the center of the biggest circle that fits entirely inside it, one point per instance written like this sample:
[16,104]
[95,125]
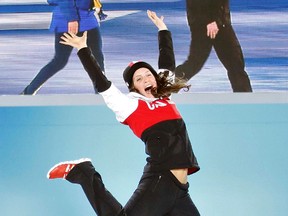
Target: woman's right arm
[118,102]
[99,80]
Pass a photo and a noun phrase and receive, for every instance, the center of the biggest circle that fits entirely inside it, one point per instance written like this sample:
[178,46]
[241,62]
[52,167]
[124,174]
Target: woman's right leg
[156,194]
[60,59]
[199,51]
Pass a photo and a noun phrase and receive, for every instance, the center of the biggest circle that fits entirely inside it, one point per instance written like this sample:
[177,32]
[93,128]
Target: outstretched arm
[99,80]
[158,21]
[166,59]
[74,41]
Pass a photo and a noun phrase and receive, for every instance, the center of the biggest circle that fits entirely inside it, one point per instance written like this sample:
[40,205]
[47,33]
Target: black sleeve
[99,80]
[166,58]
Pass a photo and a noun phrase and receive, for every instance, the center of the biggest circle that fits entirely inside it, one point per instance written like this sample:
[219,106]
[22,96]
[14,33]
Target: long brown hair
[167,84]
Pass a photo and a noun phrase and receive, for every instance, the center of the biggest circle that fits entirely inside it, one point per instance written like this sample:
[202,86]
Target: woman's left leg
[183,205]
[230,53]
[161,194]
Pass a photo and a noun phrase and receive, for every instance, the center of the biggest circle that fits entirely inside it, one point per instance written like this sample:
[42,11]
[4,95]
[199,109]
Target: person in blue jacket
[73,16]
[154,118]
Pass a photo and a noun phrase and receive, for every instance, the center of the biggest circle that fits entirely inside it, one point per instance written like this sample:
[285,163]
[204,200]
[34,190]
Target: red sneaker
[62,169]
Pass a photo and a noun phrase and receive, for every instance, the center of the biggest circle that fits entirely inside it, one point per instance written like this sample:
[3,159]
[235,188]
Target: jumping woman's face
[144,81]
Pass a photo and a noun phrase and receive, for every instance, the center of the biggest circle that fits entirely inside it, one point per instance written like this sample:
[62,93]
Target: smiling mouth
[148,89]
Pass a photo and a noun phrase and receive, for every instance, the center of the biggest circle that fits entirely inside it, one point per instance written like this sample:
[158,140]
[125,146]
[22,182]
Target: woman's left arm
[166,59]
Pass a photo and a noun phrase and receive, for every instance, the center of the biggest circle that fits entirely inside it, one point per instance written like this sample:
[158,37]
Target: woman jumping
[154,118]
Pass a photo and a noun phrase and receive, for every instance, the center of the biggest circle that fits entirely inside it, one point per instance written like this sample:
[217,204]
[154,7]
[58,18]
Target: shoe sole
[68,162]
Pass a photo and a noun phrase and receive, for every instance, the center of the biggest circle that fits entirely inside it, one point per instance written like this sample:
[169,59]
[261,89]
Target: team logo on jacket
[155,104]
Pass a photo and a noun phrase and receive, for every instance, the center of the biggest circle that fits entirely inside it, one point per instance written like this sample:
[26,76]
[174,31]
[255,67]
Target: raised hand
[159,22]
[73,40]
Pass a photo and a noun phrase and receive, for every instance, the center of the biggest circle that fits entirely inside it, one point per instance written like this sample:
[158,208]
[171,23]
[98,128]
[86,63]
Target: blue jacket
[72,10]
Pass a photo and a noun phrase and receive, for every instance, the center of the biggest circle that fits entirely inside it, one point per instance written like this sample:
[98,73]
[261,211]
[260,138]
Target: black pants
[228,50]
[158,194]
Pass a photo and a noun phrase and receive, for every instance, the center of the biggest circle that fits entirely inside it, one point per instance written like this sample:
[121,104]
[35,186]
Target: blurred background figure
[210,26]
[73,16]
[99,8]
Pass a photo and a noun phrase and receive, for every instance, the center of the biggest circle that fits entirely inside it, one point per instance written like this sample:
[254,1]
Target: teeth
[148,88]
